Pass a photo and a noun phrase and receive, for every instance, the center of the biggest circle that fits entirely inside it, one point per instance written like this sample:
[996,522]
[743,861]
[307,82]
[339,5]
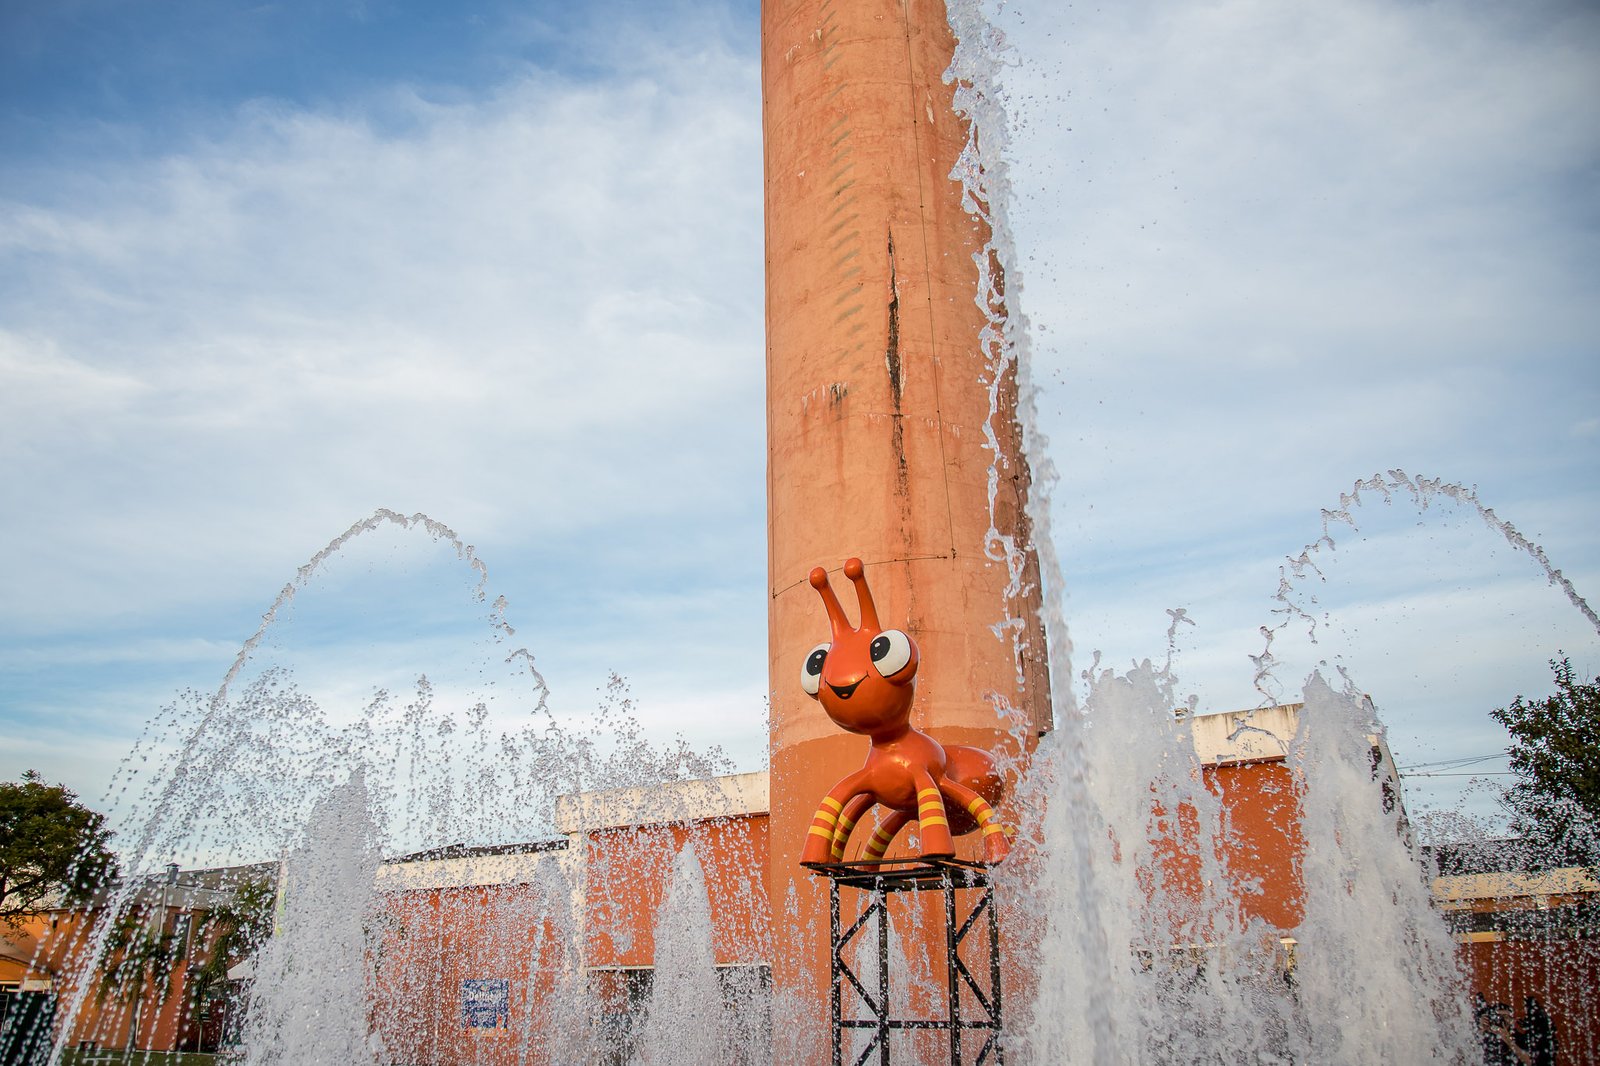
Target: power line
[1465,760]
[1466,773]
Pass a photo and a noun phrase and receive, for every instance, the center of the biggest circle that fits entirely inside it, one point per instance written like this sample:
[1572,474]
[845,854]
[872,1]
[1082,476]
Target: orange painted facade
[433,938]
[1261,807]
[452,935]
[439,928]
[1530,935]
[47,953]
[1176,875]
[436,939]
[1563,974]
[629,870]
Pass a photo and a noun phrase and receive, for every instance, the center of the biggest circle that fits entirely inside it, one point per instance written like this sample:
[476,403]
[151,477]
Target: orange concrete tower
[877,405]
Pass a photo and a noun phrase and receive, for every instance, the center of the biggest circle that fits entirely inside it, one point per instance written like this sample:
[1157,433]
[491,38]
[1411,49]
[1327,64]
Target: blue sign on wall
[486,1003]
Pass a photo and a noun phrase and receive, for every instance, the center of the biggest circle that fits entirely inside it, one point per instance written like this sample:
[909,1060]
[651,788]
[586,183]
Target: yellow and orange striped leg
[884,836]
[848,818]
[996,844]
[819,837]
[931,821]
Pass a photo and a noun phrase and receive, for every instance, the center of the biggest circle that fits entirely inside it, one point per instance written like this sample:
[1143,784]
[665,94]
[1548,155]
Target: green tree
[1555,753]
[49,844]
[231,931]
[142,953]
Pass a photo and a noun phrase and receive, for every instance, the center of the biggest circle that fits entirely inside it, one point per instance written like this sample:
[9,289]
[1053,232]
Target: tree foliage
[49,844]
[233,931]
[144,954]
[1555,752]
[143,951]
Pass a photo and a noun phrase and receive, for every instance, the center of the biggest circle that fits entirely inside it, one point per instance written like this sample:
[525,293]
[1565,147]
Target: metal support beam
[972,1010]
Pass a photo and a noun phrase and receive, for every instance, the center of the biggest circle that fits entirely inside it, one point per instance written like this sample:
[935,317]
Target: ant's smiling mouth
[846,691]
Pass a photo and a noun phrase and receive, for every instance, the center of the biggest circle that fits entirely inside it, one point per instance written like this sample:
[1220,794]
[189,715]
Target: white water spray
[311,985]
[685,1024]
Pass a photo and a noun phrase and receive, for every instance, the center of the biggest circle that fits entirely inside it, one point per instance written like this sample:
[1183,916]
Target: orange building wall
[17,960]
[1261,805]
[629,871]
[431,940]
[434,939]
[57,945]
[1563,974]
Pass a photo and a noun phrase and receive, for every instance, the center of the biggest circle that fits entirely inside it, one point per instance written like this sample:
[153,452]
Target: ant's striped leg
[884,836]
[933,825]
[819,837]
[848,818]
[996,844]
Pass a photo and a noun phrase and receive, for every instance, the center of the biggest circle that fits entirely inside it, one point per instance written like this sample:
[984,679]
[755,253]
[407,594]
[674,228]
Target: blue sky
[274,266]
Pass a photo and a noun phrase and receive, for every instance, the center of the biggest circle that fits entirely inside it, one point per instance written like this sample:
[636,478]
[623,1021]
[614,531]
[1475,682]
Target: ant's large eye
[811,669]
[892,651]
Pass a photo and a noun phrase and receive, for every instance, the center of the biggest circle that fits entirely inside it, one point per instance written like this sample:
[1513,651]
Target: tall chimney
[878,398]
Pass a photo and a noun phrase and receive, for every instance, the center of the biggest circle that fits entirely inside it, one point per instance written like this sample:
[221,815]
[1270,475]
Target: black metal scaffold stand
[972,1008]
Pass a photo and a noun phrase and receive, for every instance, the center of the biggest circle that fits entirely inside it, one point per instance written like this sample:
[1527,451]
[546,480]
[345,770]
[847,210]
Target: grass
[111,1057]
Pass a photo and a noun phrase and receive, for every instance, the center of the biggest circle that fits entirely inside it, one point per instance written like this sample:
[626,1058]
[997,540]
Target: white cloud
[1271,250]
[534,313]
[527,312]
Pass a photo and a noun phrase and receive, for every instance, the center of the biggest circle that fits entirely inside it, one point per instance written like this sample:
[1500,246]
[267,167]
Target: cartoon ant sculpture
[865,679]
